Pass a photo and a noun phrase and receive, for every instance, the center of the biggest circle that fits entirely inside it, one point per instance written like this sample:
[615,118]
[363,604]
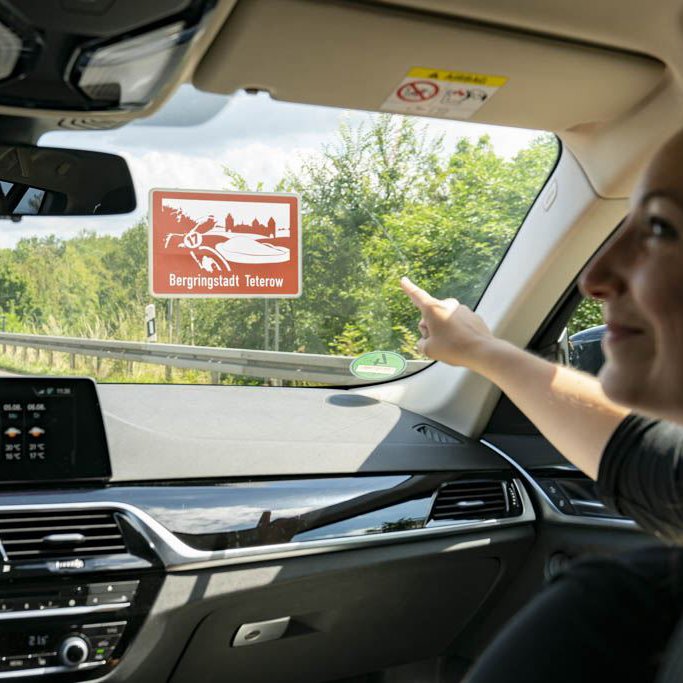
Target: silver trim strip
[587,503]
[62,611]
[64,538]
[38,671]
[550,512]
[180,557]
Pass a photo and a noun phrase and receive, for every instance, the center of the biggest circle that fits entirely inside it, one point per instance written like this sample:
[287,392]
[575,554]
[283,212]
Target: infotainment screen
[51,429]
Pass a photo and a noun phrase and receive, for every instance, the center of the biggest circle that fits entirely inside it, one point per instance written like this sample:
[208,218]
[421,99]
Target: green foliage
[384,200]
[587,314]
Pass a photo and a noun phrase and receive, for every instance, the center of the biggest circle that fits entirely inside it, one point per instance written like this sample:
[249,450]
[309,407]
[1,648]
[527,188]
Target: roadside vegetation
[382,201]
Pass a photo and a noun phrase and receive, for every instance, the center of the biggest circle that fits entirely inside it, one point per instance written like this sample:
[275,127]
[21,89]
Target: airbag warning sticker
[446,94]
[224,244]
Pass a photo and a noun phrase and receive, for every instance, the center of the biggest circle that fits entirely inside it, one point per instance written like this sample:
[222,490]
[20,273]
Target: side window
[584,335]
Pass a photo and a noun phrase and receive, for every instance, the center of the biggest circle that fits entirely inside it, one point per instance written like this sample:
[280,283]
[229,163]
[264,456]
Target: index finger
[417,295]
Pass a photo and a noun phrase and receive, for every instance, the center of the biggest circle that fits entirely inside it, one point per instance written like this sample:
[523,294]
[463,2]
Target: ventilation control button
[557,496]
[73,651]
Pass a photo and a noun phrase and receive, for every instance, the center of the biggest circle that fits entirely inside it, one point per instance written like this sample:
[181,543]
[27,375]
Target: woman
[605,619]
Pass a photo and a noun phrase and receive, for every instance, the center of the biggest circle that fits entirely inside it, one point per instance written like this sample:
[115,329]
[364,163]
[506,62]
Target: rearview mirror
[51,181]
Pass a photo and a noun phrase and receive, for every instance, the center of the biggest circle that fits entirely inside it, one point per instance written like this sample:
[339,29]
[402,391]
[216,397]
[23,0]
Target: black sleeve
[641,474]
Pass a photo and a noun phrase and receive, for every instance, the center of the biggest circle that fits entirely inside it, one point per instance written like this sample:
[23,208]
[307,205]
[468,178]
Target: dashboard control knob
[73,651]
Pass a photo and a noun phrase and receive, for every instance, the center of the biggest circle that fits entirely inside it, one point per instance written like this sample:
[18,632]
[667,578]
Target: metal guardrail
[305,367]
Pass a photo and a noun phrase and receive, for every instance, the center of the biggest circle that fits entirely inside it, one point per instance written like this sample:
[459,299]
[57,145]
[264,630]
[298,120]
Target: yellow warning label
[457,77]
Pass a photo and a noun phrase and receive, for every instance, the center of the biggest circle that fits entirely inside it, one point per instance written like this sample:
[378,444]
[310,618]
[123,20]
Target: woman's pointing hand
[450,331]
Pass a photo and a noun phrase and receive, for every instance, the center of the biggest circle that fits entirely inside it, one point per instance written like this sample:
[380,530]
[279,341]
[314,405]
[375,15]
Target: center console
[76,581]
[67,626]
[74,612]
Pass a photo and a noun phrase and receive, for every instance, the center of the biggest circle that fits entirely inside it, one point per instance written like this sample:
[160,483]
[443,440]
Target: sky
[256,136]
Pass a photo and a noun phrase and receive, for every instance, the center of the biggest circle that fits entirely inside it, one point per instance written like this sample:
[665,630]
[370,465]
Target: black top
[641,475]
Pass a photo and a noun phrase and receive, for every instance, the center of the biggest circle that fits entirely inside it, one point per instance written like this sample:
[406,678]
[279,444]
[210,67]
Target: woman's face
[638,275]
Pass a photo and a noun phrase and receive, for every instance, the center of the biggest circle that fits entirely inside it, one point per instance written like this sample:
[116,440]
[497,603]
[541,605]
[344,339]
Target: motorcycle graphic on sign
[224,244]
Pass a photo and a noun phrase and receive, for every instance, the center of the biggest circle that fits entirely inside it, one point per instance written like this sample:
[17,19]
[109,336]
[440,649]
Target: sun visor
[354,56]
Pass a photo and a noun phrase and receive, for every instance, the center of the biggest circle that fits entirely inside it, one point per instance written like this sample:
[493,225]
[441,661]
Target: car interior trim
[235,61]
[551,513]
[39,671]
[177,556]
[63,611]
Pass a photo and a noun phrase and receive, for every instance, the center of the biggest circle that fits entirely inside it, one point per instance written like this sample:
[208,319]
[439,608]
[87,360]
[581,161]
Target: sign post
[151,322]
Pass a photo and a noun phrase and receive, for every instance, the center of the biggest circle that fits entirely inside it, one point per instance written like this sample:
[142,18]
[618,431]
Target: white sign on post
[151,322]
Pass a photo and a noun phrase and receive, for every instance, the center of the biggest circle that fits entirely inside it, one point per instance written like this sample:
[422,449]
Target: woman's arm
[567,406]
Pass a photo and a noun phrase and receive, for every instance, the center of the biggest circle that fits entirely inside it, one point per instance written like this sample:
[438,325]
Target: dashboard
[99,533]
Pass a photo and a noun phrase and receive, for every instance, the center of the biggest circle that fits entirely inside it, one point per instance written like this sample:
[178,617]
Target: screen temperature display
[51,429]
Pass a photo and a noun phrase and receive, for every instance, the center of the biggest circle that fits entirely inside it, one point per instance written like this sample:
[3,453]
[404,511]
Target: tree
[15,297]
[587,314]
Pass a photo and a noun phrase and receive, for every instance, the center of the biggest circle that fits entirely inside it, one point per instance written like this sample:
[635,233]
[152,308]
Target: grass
[23,360]
[29,361]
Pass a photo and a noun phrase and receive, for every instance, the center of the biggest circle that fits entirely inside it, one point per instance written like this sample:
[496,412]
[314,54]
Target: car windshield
[379,195]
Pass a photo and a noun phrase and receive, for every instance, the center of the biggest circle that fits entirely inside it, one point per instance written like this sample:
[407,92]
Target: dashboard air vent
[470,500]
[433,434]
[46,534]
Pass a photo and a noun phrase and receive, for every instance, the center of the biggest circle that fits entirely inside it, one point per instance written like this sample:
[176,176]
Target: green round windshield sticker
[378,365]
